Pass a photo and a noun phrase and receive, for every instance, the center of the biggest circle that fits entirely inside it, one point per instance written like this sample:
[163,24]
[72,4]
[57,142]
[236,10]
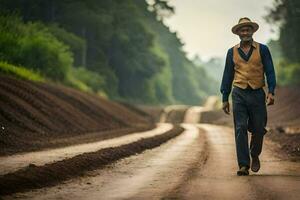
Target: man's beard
[246,39]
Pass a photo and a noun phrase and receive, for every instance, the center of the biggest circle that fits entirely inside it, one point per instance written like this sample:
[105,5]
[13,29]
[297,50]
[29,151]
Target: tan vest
[248,72]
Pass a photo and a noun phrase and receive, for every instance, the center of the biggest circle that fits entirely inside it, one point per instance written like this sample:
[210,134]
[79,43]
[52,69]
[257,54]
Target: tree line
[286,50]
[117,48]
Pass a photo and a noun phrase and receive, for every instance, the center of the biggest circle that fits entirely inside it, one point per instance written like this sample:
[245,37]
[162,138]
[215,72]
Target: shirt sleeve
[228,75]
[268,68]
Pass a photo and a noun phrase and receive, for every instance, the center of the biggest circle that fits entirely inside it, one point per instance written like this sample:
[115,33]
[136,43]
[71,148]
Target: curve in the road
[145,176]
[194,165]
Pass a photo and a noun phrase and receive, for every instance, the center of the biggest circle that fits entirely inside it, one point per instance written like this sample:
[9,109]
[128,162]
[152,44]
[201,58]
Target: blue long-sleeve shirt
[228,74]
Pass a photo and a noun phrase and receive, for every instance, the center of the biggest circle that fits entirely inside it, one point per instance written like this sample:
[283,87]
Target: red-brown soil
[39,115]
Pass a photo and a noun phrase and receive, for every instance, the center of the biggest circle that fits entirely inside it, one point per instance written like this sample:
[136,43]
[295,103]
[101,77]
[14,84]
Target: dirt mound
[284,121]
[176,116]
[34,114]
[154,111]
[34,176]
[144,112]
[286,110]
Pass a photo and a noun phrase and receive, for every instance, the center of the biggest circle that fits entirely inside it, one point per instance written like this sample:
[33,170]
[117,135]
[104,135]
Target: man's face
[245,33]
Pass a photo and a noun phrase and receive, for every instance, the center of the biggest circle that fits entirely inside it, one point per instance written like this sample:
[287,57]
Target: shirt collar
[253,44]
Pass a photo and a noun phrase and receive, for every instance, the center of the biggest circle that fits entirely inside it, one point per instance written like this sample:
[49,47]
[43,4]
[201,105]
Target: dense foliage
[120,48]
[286,14]
[33,46]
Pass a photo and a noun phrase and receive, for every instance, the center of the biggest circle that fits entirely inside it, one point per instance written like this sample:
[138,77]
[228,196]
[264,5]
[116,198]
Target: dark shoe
[243,171]
[255,165]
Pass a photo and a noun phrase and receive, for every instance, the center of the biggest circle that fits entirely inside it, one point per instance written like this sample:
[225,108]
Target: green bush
[91,79]
[77,44]
[77,84]
[288,73]
[33,46]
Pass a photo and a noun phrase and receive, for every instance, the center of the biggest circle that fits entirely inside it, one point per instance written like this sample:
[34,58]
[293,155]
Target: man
[246,64]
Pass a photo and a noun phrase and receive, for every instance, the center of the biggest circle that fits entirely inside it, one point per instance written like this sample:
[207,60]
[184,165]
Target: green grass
[73,82]
[23,73]
[20,72]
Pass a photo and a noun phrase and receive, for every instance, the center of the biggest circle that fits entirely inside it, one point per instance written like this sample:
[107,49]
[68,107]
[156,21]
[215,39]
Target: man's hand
[270,99]
[226,107]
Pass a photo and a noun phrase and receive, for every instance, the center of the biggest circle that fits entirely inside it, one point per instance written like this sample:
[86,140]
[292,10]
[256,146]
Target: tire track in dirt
[195,167]
[217,179]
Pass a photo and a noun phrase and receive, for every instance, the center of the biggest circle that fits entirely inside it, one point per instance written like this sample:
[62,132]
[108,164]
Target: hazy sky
[205,25]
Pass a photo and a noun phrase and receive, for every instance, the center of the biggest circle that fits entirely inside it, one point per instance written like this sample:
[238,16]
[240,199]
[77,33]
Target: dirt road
[200,163]
[13,163]
[195,165]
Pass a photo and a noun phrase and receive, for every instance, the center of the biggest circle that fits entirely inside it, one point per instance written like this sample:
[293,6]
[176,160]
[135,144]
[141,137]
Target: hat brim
[252,24]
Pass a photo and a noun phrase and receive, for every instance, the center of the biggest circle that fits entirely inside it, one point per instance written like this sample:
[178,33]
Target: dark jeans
[249,114]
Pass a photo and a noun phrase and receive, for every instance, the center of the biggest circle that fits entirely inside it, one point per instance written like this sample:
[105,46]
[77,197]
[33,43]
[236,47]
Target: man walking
[246,65]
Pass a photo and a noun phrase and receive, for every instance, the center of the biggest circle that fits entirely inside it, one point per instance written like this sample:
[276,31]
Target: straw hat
[245,21]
